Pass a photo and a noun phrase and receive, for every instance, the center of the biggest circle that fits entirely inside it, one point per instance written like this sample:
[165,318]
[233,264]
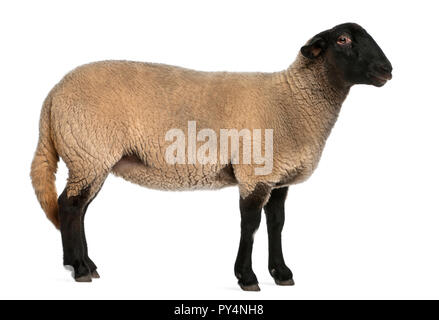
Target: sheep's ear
[314,47]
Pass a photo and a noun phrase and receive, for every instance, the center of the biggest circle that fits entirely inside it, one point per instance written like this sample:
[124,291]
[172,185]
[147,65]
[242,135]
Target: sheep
[113,117]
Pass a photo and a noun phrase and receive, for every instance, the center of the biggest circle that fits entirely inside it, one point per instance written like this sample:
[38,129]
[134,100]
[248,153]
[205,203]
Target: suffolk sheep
[128,118]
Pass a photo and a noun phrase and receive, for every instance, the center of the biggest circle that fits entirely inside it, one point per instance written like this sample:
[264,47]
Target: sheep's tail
[44,166]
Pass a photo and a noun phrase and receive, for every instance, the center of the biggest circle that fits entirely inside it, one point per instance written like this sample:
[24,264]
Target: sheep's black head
[352,55]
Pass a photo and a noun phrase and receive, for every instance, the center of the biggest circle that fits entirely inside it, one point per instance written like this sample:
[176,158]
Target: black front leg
[275,213]
[251,207]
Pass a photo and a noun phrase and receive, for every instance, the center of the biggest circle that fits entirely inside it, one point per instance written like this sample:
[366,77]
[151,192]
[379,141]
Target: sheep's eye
[343,40]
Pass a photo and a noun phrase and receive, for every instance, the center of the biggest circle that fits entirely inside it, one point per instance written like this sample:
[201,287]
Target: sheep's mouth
[379,79]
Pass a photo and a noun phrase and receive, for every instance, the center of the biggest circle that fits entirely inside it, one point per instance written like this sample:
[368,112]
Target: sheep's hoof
[252,287]
[95,275]
[282,275]
[289,282]
[85,278]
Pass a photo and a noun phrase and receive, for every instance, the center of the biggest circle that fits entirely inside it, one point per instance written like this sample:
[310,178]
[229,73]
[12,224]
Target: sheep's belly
[178,177]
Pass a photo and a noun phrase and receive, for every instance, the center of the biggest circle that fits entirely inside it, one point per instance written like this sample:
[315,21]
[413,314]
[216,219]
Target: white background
[364,226]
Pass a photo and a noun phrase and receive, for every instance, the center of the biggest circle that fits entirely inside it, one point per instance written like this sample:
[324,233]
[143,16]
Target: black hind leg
[90,263]
[72,213]
[71,219]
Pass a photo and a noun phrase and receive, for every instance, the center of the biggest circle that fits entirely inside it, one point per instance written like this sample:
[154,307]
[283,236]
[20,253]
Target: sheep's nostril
[384,68]
[383,71]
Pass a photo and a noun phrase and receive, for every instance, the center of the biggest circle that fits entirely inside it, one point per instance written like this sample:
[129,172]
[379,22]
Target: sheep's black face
[351,54]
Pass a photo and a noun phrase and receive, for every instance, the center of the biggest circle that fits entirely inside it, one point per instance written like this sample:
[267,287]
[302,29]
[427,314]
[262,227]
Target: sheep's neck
[315,101]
